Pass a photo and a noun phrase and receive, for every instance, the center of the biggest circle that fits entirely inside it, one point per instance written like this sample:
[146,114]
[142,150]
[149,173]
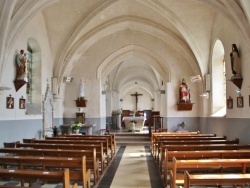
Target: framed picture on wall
[240,102]
[22,103]
[9,102]
[229,103]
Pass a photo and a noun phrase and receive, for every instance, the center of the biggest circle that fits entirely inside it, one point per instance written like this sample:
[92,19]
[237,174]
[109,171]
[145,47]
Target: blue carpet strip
[107,179]
[153,170]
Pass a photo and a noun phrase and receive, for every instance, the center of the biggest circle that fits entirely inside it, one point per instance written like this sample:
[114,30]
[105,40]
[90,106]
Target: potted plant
[55,130]
[76,127]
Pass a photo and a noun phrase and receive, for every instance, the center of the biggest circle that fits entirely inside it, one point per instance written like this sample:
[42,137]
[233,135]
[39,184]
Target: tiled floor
[133,167]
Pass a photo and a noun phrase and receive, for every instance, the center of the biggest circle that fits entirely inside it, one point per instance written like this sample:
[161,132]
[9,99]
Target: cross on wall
[136,95]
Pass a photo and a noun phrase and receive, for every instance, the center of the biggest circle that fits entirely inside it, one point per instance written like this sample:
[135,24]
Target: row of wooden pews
[195,153]
[86,156]
[33,175]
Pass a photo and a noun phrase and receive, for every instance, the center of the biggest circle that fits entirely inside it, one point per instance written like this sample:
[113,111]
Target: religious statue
[81,90]
[81,102]
[184,92]
[235,61]
[21,66]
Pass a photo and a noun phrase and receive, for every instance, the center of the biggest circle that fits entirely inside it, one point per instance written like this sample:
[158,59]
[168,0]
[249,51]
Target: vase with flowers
[76,127]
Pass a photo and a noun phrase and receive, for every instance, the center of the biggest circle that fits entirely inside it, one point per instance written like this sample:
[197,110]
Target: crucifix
[136,98]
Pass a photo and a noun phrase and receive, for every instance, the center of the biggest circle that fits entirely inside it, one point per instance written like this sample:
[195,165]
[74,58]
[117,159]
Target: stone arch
[68,58]
[133,50]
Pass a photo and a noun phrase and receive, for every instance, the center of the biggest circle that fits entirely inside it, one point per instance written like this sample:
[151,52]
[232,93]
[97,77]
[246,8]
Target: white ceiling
[180,29]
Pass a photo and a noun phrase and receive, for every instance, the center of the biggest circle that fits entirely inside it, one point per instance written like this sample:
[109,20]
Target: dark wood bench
[177,178]
[215,179]
[91,160]
[33,175]
[77,166]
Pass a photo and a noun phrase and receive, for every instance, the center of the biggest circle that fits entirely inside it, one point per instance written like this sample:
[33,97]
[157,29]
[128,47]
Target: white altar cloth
[133,118]
[134,123]
[87,129]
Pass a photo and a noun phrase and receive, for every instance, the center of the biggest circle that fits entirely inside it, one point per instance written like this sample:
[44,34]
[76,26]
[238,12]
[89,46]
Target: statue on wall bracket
[81,102]
[21,76]
[236,66]
[184,94]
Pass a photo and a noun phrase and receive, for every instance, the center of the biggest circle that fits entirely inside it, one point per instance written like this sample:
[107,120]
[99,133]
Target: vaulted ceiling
[142,37]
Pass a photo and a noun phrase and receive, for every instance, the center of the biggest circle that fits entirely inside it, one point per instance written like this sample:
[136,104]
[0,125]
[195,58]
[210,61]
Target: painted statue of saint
[184,92]
[21,66]
[235,61]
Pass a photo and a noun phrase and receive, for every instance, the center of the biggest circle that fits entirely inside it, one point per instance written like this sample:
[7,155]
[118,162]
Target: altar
[134,123]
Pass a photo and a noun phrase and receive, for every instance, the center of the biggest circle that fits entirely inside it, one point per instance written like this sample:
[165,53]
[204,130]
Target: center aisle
[130,169]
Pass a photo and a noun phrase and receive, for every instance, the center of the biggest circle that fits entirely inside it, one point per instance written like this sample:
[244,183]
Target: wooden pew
[161,149]
[56,162]
[111,138]
[181,139]
[202,147]
[215,179]
[178,134]
[69,146]
[91,160]
[204,164]
[33,175]
[167,164]
[28,140]
[107,142]
[175,135]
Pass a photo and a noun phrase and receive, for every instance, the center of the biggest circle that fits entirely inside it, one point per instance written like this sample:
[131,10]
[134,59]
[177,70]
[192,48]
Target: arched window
[218,80]
[29,73]
[33,68]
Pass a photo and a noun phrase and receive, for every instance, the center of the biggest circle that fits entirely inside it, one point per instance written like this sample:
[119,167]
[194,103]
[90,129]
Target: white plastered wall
[35,29]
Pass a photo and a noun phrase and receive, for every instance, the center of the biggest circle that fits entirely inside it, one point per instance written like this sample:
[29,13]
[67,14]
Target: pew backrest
[215,179]
[33,175]
[69,146]
[56,162]
[91,159]
[204,164]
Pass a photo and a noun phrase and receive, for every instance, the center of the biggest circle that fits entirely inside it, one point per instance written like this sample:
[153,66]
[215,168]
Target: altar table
[134,123]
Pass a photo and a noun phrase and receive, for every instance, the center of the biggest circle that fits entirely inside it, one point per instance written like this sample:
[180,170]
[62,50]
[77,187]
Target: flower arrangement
[76,126]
